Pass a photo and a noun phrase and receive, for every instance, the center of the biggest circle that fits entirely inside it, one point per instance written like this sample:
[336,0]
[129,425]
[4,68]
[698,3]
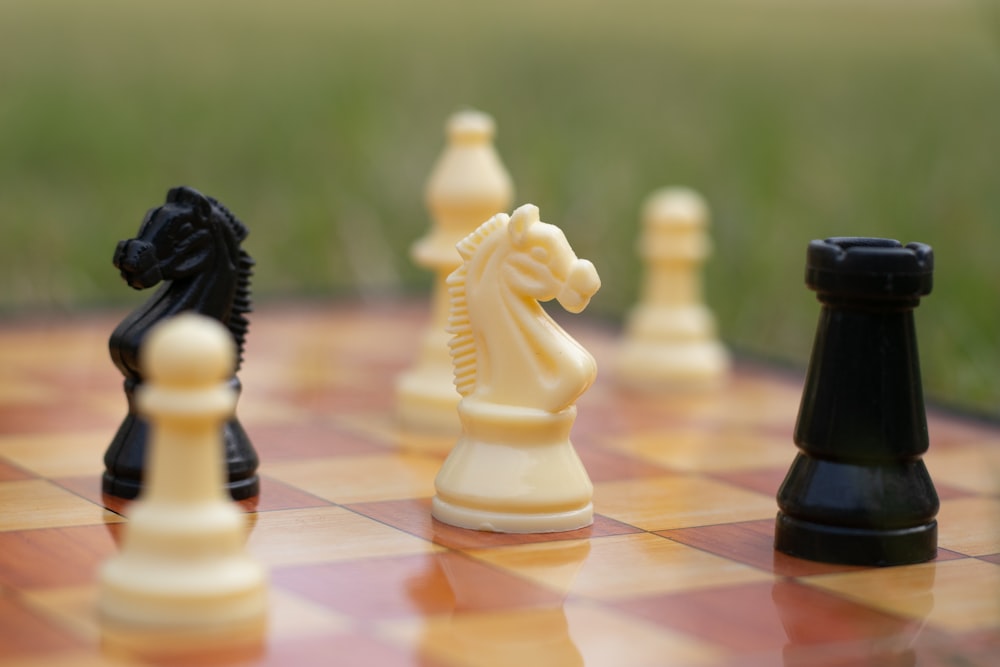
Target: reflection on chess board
[677,569]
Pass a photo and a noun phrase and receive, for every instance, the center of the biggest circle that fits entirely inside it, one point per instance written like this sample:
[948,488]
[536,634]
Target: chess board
[678,568]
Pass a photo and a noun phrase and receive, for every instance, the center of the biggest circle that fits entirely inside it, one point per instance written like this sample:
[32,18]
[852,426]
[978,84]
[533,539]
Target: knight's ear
[201,204]
[523,217]
[190,196]
[181,193]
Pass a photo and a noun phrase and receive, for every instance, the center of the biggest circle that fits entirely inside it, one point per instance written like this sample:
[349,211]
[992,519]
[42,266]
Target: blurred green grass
[317,123]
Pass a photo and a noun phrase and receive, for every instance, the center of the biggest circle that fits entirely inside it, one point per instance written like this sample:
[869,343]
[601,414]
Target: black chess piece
[858,491]
[192,244]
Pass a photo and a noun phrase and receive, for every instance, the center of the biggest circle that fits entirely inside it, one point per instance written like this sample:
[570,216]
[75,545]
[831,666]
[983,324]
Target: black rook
[858,491]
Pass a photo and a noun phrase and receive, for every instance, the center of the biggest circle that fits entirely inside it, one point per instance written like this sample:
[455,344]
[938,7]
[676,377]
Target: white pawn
[467,186]
[183,565]
[670,340]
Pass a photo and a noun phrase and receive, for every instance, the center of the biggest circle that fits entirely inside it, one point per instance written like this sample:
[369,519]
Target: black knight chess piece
[191,244]
[858,491]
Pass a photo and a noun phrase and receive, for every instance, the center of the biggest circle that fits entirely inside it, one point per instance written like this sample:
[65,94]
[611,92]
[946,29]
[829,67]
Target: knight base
[130,488]
[514,470]
[511,522]
[125,461]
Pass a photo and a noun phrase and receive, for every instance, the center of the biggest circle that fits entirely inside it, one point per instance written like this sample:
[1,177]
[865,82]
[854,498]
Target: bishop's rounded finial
[675,206]
[470,126]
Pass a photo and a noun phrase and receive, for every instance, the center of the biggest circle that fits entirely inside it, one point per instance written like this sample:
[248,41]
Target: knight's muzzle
[137,262]
[581,284]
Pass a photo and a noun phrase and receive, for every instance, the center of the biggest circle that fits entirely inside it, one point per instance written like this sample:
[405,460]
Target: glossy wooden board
[677,569]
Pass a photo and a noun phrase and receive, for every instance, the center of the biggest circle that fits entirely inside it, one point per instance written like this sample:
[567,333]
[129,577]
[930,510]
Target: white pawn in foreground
[468,185]
[670,340]
[513,469]
[183,566]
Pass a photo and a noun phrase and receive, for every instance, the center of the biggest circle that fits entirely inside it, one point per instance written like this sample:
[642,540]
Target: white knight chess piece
[519,373]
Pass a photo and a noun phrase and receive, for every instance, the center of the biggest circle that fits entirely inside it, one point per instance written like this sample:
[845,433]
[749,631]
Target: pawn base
[672,365]
[855,546]
[140,594]
[244,640]
[427,402]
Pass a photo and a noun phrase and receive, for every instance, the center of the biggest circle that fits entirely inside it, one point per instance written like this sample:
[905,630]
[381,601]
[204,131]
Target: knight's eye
[185,230]
[540,254]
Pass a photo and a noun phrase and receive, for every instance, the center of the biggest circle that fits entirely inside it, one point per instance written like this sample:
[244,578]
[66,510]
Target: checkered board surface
[678,568]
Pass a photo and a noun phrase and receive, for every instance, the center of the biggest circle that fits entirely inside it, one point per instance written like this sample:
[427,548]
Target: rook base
[855,546]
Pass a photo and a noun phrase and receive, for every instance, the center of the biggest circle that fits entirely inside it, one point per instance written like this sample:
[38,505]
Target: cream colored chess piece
[670,339]
[514,468]
[468,185]
[183,566]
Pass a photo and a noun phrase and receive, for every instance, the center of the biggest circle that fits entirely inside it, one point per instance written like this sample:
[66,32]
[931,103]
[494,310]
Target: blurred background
[317,123]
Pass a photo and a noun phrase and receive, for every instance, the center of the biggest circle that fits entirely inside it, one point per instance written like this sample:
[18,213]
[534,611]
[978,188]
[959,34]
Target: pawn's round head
[188,350]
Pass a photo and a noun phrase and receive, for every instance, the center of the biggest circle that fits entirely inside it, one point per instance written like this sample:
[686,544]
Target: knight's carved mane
[463,344]
[233,234]
[238,323]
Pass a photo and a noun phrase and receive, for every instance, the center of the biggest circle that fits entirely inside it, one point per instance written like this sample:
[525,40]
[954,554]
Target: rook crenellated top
[872,268]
